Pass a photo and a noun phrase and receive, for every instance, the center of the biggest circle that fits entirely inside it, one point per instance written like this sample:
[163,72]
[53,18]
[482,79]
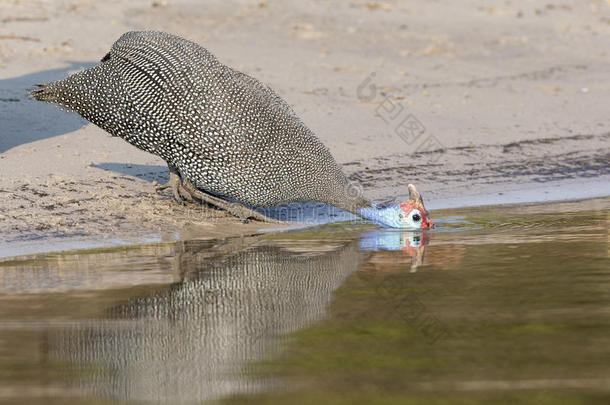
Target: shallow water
[504,304]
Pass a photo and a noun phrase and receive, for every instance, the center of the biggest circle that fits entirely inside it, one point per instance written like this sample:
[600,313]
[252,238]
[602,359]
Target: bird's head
[410,214]
[413,214]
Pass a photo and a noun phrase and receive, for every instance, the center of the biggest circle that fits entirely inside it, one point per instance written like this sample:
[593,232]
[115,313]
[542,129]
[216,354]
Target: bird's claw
[185,191]
[179,192]
[160,187]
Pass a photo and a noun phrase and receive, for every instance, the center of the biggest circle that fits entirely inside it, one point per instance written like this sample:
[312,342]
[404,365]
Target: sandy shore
[474,104]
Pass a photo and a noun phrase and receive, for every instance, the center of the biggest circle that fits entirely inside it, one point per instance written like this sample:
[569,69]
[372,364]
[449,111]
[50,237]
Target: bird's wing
[189,95]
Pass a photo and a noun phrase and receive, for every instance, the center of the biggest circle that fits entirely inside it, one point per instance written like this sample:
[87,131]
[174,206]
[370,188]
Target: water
[508,305]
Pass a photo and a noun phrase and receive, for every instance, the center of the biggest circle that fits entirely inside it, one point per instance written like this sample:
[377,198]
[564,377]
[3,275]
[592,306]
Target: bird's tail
[45,92]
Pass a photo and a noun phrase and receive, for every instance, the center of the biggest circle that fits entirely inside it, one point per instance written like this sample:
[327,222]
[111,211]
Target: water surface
[504,304]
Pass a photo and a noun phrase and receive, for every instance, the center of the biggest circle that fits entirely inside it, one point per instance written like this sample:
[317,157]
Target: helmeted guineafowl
[226,137]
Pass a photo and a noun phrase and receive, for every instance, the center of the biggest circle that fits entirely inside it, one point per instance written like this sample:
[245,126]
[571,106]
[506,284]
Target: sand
[474,104]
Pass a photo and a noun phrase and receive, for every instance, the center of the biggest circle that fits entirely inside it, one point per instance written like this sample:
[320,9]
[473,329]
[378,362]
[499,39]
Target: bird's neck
[353,204]
[365,209]
[379,214]
[385,215]
[372,212]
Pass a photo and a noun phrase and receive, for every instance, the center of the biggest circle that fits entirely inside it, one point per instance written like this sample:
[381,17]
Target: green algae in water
[498,305]
[515,309]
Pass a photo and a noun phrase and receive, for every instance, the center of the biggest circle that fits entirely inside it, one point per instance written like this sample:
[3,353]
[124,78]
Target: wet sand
[474,104]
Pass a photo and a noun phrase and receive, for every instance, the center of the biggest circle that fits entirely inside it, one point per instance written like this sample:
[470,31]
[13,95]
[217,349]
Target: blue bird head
[410,214]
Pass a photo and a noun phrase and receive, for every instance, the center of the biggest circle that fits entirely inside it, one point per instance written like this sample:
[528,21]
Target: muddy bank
[474,104]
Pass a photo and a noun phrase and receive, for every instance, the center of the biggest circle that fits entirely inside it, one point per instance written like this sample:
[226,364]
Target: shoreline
[62,245]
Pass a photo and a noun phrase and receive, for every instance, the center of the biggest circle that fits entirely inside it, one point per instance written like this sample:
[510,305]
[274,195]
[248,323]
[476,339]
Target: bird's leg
[185,190]
[236,209]
[175,182]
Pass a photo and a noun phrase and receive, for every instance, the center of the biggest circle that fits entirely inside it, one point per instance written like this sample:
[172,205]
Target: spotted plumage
[221,130]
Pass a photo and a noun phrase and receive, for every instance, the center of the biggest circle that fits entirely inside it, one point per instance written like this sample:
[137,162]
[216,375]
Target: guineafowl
[228,139]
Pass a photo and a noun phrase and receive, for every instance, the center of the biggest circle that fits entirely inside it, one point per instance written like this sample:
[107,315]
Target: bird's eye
[416,217]
[400,216]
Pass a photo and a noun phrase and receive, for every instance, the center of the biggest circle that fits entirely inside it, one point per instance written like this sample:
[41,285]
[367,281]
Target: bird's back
[224,130]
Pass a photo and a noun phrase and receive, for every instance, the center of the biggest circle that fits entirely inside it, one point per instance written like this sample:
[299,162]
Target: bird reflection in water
[201,338]
[411,243]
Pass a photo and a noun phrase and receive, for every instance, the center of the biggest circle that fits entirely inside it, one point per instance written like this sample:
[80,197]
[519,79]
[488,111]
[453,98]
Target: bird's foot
[240,211]
[185,190]
[175,183]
